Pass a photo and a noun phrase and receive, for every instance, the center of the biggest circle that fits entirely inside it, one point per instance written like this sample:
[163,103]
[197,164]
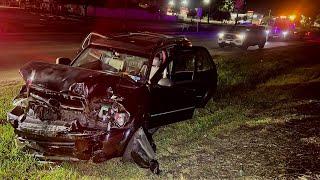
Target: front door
[176,102]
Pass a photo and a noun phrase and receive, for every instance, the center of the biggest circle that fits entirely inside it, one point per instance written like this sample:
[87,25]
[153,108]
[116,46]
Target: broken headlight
[22,102]
[115,114]
[79,89]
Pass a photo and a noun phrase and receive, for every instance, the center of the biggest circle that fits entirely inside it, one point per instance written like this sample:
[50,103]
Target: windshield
[111,61]
[238,28]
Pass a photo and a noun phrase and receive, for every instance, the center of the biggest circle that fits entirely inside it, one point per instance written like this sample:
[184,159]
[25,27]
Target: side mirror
[165,82]
[63,61]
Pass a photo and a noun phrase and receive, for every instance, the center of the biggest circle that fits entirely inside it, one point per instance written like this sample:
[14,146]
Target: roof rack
[87,41]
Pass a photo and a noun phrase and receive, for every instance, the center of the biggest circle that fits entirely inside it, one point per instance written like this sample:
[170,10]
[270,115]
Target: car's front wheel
[261,45]
[221,45]
[244,47]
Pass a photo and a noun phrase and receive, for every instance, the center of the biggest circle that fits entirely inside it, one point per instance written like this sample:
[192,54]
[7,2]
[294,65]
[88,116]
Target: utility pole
[209,13]
[237,18]
[269,17]
[269,12]
[208,3]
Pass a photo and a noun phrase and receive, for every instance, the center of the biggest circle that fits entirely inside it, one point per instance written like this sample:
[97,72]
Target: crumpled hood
[59,78]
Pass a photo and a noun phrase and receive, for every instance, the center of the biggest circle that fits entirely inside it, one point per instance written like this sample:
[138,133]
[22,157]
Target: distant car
[107,102]
[281,29]
[302,34]
[243,37]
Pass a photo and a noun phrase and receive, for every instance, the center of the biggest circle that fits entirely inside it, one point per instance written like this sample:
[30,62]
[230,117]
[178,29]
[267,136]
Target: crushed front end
[78,123]
[66,125]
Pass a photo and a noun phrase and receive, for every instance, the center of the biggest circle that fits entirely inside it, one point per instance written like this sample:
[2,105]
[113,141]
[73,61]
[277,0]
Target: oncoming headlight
[221,35]
[241,36]
[285,33]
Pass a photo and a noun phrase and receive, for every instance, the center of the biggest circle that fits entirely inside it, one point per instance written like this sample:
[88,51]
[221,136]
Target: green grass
[7,93]
[240,101]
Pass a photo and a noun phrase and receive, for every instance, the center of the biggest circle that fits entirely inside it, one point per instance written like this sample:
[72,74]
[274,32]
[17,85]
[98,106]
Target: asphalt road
[18,20]
[33,37]
[18,49]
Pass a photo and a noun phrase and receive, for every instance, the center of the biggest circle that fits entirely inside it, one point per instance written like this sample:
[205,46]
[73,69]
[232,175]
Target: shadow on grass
[304,142]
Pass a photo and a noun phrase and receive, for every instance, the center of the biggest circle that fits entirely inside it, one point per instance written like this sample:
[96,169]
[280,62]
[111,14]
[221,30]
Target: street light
[171,3]
[207,3]
[184,2]
[292,17]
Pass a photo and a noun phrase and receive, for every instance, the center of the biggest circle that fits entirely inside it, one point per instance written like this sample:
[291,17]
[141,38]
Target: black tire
[261,45]
[154,167]
[244,47]
[221,45]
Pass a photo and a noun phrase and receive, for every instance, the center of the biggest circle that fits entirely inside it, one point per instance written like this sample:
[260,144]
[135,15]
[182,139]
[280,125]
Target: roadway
[31,37]
[18,49]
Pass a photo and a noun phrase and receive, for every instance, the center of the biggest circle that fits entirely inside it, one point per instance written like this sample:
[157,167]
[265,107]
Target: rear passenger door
[205,77]
[194,79]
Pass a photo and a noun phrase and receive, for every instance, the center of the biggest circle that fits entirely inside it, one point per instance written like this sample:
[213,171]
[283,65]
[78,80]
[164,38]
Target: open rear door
[205,77]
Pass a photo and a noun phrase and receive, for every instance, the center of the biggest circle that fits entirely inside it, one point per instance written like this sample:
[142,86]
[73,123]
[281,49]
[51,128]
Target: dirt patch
[284,142]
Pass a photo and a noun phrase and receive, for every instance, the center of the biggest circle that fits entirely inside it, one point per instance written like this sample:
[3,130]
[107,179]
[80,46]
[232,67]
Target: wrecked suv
[111,98]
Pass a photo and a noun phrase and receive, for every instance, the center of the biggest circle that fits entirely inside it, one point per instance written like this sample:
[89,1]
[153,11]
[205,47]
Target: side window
[185,62]
[203,62]
[161,58]
[167,72]
[184,66]
[157,61]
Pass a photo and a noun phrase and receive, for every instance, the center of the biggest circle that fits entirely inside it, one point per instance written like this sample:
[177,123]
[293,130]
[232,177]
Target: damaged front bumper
[54,138]
[55,141]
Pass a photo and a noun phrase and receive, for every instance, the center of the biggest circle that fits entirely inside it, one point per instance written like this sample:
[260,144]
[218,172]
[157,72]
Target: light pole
[208,3]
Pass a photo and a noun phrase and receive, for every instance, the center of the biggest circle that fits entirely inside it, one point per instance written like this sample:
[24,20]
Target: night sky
[283,7]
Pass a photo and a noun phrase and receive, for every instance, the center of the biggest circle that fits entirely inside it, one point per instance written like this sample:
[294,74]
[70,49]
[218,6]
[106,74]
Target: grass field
[263,123]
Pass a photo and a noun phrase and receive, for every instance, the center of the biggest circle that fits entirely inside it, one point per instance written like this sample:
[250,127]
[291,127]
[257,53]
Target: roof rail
[87,41]
[171,39]
[153,34]
[145,33]
[167,38]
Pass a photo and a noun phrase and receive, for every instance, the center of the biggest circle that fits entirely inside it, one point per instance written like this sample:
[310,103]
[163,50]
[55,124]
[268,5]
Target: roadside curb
[40,33]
